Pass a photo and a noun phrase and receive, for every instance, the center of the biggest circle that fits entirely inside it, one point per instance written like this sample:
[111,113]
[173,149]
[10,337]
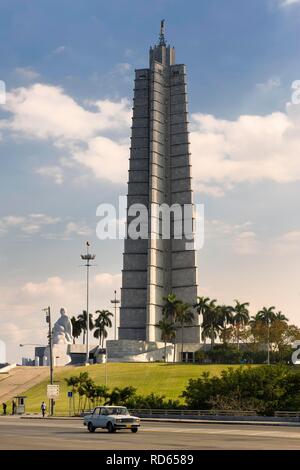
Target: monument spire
[162,41]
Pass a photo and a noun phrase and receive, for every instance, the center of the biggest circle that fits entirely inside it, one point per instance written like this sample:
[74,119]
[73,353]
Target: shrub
[260,389]
[152,401]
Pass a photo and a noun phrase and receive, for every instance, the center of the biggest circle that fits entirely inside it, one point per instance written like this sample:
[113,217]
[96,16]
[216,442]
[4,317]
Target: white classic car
[111,418]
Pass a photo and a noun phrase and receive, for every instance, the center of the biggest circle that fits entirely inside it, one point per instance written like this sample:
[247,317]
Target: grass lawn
[163,379]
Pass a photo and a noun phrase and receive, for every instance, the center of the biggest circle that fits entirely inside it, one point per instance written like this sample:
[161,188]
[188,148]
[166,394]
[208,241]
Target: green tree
[267,316]
[168,332]
[279,316]
[212,322]
[79,385]
[260,389]
[82,321]
[170,307]
[120,396]
[76,328]
[169,311]
[226,321]
[101,394]
[240,318]
[102,322]
[184,317]
[73,382]
[201,306]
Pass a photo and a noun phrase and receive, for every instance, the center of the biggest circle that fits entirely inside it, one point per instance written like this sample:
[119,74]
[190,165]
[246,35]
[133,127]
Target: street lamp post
[115,302]
[48,320]
[88,258]
[268,360]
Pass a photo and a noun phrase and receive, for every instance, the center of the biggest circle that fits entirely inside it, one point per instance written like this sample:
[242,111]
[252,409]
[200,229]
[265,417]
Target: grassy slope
[163,379]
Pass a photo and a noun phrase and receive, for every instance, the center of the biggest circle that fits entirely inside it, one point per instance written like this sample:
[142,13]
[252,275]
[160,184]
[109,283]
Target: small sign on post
[70,396]
[52,391]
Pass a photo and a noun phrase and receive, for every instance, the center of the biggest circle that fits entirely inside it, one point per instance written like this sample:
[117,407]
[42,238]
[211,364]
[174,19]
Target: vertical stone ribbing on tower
[184,270]
[133,312]
[160,172]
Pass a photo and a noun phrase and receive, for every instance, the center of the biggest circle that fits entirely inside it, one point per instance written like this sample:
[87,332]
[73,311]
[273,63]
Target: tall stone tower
[159,173]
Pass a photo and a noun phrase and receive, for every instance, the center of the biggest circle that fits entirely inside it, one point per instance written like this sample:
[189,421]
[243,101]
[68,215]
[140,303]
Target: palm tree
[201,306]
[169,311]
[279,316]
[240,318]
[168,332]
[101,392]
[212,322]
[226,319]
[170,307]
[254,320]
[267,316]
[102,322]
[82,320]
[184,316]
[76,328]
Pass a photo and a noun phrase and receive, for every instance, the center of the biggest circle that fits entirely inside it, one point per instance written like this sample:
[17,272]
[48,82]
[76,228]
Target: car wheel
[134,429]
[110,427]
[91,428]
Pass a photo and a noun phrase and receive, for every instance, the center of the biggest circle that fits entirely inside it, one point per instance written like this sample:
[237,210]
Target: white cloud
[40,224]
[27,73]
[59,50]
[106,158]
[287,3]
[250,149]
[78,229]
[46,112]
[239,238]
[25,302]
[53,172]
[269,85]
[287,243]
[242,239]
[123,68]
[224,153]
[246,243]
[30,225]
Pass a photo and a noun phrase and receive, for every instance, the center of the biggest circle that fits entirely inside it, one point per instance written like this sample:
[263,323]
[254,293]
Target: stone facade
[159,173]
[138,351]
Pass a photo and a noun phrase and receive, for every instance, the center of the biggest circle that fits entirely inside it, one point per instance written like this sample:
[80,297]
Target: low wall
[203,415]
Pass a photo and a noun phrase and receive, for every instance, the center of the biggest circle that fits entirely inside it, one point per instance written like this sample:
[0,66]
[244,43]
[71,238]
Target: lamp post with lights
[115,302]
[88,257]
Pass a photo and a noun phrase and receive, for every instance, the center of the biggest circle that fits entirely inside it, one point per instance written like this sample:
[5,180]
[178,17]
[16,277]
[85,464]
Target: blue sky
[68,68]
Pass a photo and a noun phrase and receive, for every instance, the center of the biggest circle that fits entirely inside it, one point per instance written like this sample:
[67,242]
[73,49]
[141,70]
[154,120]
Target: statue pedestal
[60,354]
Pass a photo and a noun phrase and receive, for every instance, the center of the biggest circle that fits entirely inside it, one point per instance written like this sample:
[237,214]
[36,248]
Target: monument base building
[159,175]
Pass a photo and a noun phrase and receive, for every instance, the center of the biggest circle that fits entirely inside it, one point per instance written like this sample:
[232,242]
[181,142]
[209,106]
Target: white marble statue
[62,329]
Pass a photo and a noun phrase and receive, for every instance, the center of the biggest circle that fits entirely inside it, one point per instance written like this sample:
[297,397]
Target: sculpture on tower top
[162,41]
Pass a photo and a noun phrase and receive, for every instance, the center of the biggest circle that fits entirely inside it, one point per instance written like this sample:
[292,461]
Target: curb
[178,421]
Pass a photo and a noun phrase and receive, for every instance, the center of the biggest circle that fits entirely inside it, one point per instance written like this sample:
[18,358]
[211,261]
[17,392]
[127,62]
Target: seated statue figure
[62,329]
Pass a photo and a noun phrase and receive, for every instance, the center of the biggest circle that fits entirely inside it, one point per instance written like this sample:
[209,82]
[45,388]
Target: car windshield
[118,411]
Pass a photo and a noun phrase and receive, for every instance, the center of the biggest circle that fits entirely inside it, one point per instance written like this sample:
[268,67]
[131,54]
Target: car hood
[113,416]
[123,416]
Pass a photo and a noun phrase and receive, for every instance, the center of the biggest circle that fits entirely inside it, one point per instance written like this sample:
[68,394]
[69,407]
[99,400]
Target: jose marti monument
[159,174]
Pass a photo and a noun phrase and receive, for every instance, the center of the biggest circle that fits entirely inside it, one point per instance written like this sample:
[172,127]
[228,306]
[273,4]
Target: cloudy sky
[64,137]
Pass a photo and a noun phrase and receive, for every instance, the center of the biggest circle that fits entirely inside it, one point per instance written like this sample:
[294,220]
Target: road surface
[16,433]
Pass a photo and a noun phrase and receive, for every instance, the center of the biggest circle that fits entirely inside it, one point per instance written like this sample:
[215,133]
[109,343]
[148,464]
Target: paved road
[16,433]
